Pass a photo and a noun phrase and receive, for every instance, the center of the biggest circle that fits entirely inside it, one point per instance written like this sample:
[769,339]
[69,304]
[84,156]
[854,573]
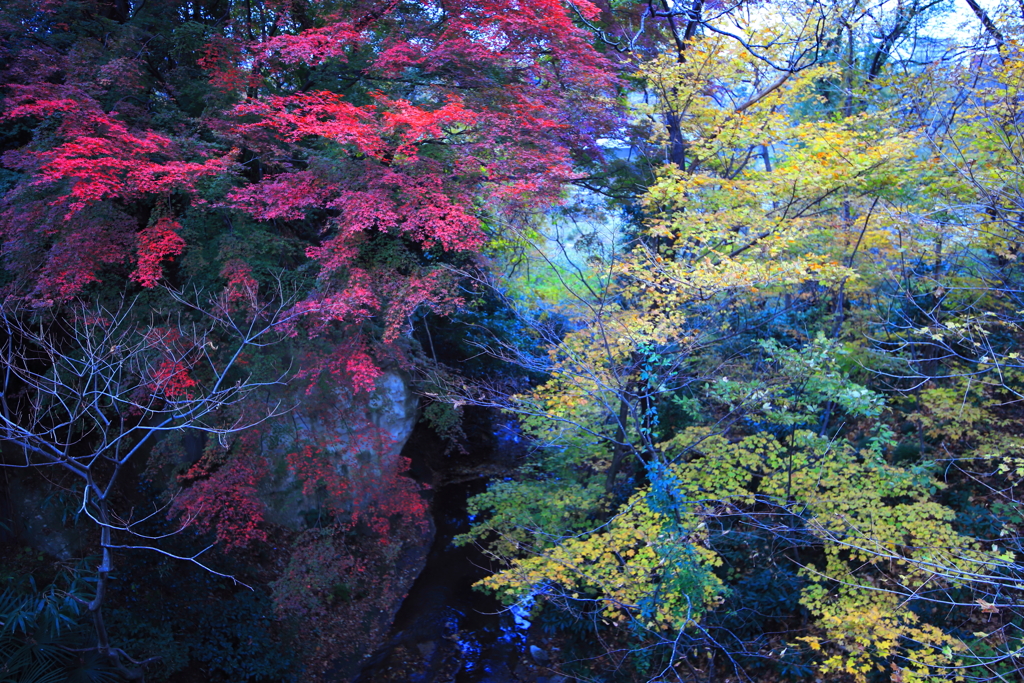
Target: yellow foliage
[624,566]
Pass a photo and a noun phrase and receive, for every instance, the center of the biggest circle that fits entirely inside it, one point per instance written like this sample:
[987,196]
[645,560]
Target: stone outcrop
[363,435]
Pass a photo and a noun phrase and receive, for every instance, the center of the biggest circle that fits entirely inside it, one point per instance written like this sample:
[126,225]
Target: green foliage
[153,636]
[45,637]
[445,419]
[532,513]
[642,567]
[242,639]
[240,642]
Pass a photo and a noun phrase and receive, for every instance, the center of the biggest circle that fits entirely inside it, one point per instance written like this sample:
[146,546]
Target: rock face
[394,408]
[362,435]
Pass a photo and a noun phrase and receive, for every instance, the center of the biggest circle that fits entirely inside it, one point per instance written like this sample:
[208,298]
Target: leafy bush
[239,640]
[43,638]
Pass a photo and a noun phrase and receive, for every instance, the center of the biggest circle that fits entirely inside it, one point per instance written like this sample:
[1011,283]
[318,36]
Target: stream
[446,632]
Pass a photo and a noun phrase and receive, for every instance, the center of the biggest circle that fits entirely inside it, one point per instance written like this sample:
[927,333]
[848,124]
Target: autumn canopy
[715,308]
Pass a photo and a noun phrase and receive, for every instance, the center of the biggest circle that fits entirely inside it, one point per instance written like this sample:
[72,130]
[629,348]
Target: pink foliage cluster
[226,502]
[99,158]
[280,197]
[221,57]
[377,499]
[172,379]
[349,364]
[158,243]
[242,290]
[65,222]
[314,46]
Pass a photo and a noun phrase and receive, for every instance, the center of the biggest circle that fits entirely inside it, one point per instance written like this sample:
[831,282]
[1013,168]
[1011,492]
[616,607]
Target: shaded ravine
[446,631]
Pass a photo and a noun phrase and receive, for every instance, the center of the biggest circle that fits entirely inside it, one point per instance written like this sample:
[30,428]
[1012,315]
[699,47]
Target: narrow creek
[446,632]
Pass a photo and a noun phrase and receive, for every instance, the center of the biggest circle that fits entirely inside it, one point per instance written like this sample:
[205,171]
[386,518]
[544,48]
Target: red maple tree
[347,150]
[374,140]
[359,121]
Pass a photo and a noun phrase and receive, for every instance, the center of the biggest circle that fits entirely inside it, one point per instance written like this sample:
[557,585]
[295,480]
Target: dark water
[446,632]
